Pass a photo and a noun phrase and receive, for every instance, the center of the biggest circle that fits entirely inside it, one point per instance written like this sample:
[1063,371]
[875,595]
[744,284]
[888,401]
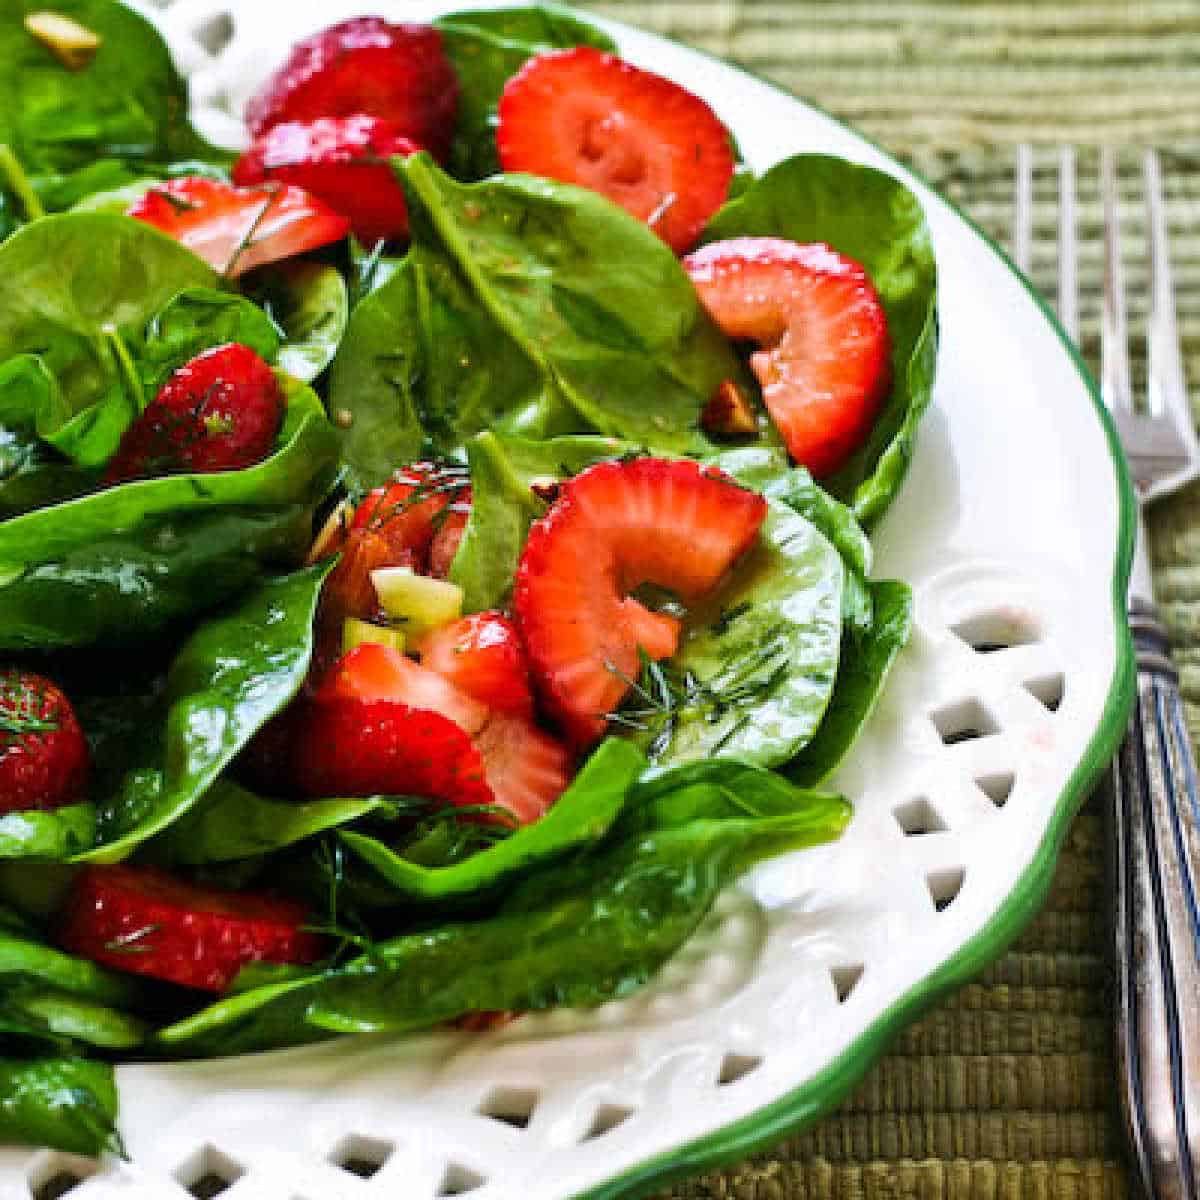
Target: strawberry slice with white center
[589,118]
[614,527]
[482,655]
[526,769]
[235,229]
[824,350]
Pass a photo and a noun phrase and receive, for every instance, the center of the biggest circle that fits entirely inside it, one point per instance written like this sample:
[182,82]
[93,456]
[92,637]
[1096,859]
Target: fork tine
[1022,239]
[1166,390]
[1115,387]
[1068,245]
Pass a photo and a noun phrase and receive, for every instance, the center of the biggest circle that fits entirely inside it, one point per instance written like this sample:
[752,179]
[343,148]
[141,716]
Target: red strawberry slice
[343,161]
[219,412]
[351,747]
[365,65]
[613,528]
[446,541]
[824,362]
[236,229]
[44,759]
[145,921]
[482,655]
[526,768]
[585,117]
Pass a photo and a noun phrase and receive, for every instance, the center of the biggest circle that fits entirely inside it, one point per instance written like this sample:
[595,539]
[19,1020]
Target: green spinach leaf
[876,220]
[48,836]
[230,678]
[487,48]
[309,303]
[66,1104]
[58,1016]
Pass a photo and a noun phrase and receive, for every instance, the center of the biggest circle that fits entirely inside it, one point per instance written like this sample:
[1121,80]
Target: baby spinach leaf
[26,962]
[877,221]
[47,836]
[65,1103]
[58,1015]
[69,278]
[129,103]
[124,562]
[230,678]
[581,817]
[867,657]
[33,475]
[757,664]
[487,48]
[232,823]
[309,304]
[503,505]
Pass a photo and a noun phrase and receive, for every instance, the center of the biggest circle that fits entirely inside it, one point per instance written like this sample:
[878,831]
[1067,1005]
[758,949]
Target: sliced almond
[74,45]
[729,413]
[333,534]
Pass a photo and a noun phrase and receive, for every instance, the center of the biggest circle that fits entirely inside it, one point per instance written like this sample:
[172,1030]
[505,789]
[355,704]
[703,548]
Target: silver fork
[1155,811]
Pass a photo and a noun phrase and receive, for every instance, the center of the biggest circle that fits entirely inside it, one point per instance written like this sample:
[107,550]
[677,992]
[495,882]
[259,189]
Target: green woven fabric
[1007,1091]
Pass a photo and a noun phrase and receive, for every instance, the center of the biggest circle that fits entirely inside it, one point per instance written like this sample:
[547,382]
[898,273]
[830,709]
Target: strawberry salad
[434,542]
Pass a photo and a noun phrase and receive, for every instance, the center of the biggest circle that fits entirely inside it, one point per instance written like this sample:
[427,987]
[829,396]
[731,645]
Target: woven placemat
[1007,1091]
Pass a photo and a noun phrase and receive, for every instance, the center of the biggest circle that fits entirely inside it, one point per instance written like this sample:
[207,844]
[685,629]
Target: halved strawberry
[343,161]
[44,759]
[613,528]
[352,747]
[824,361]
[446,541]
[526,768]
[482,655]
[147,922]
[236,229]
[219,412]
[590,118]
[365,65]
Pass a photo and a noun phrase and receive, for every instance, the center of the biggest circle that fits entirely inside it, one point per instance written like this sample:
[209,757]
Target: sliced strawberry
[482,655]
[220,412]
[824,361]
[44,759]
[371,673]
[145,921]
[613,528]
[446,541]
[352,747]
[526,769]
[343,161]
[236,229]
[589,118]
[365,65]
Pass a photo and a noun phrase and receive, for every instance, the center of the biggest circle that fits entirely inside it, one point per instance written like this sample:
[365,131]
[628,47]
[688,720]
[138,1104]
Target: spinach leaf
[128,104]
[69,281]
[867,657]
[231,823]
[230,678]
[529,308]
[876,220]
[309,304]
[33,475]
[758,660]
[487,48]
[24,961]
[57,1016]
[581,817]
[594,926]
[503,506]
[48,836]
[66,1104]
[125,562]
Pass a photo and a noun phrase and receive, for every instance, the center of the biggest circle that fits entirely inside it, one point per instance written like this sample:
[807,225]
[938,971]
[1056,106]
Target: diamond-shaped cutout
[964,721]
[917,817]
[510,1105]
[1048,690]
[997,786]
[845,979]
[56,1175]
[737,1066]
[944,886]
[997,629]
[57,1186]
[607,1118]
[209,1173]
[215,32]
[459,1180]
[361,1156]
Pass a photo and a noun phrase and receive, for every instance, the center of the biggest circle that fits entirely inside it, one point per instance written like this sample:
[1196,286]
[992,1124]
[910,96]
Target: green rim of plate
[823,1091]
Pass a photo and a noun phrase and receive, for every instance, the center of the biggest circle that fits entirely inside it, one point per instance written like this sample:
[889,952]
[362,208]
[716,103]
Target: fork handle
[1156,855]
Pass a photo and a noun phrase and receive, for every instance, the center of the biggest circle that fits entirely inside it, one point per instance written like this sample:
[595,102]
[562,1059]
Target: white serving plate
[1015,527]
